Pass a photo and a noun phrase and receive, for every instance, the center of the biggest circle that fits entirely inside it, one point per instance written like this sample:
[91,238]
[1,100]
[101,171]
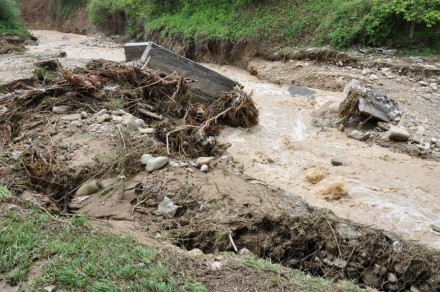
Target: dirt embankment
[49,15]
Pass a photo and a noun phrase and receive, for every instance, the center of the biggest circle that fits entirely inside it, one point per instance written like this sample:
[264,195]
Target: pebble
[88,188]
[147,131]
[102,112]
[364,72]
[392,278]
[61,109]
[140,122]
[72,117]
[204,168]
[434,86]
[215,266]
[117,119]
[338,161]
[398,134]
[424,147]
[132,126]
[434,140]
[77,123]
[145,158]
[334,108]
[195,252]
[437,144]
[423,83]
[204,160]
[245,252]
[414,289]
[373,77]
[156,163]
[103,118]
[84,115]
[358,135]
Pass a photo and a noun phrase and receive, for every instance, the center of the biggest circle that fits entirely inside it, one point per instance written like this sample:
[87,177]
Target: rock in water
[337,161]
[156,163]
[398,134]
[367,101]
[358,135]
[88,188]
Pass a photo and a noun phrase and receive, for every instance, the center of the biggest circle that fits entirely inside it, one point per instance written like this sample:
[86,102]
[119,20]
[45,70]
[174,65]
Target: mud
[271,209]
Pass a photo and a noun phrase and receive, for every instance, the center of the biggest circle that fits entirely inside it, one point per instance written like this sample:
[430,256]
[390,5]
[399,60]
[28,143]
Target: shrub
[9,10]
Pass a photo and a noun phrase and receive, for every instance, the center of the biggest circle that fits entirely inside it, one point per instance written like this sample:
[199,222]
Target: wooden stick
[232,242]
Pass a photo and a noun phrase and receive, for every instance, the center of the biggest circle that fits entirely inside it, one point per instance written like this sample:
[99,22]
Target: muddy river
[385,189]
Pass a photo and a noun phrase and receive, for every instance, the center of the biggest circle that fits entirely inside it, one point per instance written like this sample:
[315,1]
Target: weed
[78,258]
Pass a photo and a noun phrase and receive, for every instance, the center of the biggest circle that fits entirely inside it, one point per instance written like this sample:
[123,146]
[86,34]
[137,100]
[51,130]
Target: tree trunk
[411,30]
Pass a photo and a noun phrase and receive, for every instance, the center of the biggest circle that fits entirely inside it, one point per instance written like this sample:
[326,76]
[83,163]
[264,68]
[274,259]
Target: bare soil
[262,210]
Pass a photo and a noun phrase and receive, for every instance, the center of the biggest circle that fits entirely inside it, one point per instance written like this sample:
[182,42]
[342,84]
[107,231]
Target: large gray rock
[370,102]
[398,134]
[156,163]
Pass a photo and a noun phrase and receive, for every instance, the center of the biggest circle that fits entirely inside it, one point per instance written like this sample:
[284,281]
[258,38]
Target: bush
[9,10]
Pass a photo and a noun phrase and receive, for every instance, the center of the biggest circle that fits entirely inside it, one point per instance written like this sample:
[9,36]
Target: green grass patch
[339,23]
[8,28]
[79,258]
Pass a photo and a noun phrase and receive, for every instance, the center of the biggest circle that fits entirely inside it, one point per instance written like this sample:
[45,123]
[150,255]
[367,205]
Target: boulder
[156,163]
[398,134]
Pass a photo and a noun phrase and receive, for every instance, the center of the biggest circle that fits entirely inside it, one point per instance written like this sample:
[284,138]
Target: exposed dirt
[390,190]
[47,15]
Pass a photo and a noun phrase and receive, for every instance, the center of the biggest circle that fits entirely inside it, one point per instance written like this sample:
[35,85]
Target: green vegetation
[301,281]
[9,19]
[75,257]
[339,23]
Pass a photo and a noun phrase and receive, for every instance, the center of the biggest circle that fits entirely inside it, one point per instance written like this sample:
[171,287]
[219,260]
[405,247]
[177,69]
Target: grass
[12,28]
[78,257]
[299,281]
[339,23]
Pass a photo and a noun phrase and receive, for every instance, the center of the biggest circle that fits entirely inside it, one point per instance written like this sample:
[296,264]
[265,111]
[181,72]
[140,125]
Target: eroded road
[388,190]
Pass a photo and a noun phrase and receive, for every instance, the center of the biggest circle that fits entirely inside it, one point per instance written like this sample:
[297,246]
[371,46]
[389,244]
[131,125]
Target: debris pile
[49,126]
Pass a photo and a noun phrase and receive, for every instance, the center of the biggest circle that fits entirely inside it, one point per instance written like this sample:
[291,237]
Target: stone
[156,163]
[145,158]
[371,279]
[392,278]
[358,135]
[77,123]
[424,83]
[204,160]
[102,112]
[334,108]
[84,115]
[437,144]
[166,208]
[434,86]
[373,77]
[398,134]
[424,147]
[434,140]
[111,90]
[147,131]
[215,266]
[347,232]
[88,188]
[245,252]
[132,126]
[364,72]
[117,119]
[414,289]
[62,109]
[103,118]
[140,122]
[72,117]
[195,252]
[338,161]
[204,168]
[383,126]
